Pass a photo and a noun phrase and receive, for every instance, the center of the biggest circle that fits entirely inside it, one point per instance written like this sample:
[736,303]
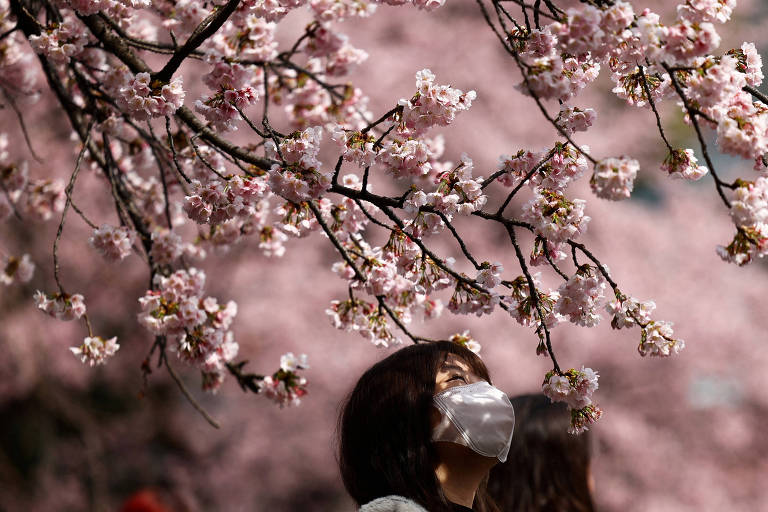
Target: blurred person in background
[420,431]
[548,469]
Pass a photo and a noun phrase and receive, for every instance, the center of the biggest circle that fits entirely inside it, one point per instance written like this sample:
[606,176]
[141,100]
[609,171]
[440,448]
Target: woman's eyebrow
[453,367]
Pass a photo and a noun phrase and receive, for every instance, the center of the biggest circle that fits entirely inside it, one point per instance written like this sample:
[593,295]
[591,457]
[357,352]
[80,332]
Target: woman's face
[454,371]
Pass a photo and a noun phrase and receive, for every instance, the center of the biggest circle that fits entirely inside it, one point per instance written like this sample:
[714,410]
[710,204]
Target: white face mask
[478,416]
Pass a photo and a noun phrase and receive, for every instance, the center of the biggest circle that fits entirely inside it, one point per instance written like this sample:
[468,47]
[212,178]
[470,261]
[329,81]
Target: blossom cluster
[114,243]
[285,386]
[95,350]
[466,340]
[16,270]
[196,327]
[218,201]
[581,296]
[575,388]
[554,216]
[235,87]
[61,306]
[614,178]
[656,336]
[432,105]
[749,212]
[521,305]
[143,98]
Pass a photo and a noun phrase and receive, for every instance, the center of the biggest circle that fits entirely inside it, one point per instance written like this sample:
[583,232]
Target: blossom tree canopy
[281,145]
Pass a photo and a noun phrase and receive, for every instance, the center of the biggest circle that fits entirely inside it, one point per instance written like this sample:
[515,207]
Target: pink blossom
[143,99]
[489,275]
[517,166]
[573,119]
[657,340]
[60,306]
[16,270]
[575,388]
[356,147]
[458,191]
[522,308]
[114,243]
[581,296]
[698,11]
[629,312]
[465,340]
[166,246]
[614,178]
[45,198]
[555,217]
[95,350]
[403,159]
[681,163]
[291,363]
[432,105]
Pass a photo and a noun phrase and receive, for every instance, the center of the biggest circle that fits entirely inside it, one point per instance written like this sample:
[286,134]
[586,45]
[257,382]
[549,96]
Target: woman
[420,431]
[548,468]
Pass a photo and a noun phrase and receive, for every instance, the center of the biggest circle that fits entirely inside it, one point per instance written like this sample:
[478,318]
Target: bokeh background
[682,434]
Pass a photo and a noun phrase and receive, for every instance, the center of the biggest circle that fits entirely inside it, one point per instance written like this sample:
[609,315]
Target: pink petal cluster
[575,388]
[432,105]
[466,340]
[749,212]
[467,300]
[114,243]
[95,350]
[355,146]
[614,178]
[489,276]
[522,308]
[167,246]
[629,312]
[682,164]
[45,198]
[581,296]
[408,158]
[218,201]
[143,99]
[517,166]
[60,306]
[196,326]
[62,43]
[286,387]
[354,315]
[555,217]
[235,87]
[458,191]
[574,119]
[657,340]
[16,270]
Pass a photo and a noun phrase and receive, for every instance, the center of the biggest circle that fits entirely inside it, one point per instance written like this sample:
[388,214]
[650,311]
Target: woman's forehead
[454,362]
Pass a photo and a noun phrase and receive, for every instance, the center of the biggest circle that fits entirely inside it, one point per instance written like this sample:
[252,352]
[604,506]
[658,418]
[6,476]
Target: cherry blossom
[114,243]
[681,163]
[16,270]
[95,350]
[581,296]
[614,178]
[60,306]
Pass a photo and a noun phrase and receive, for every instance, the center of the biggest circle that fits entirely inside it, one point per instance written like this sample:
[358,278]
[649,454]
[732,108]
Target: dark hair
[385,443]
[547,469]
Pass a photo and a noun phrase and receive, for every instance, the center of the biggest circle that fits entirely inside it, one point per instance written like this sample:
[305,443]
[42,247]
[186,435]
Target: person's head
[385,427]
[547,469]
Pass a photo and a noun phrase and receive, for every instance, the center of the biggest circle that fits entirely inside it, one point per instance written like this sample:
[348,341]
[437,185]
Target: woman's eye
[457,377]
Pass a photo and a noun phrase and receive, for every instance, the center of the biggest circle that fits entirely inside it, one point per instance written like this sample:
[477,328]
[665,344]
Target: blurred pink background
[681,434]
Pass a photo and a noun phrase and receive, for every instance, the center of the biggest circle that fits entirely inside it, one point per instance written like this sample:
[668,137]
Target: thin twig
[68,192]
[184,391]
